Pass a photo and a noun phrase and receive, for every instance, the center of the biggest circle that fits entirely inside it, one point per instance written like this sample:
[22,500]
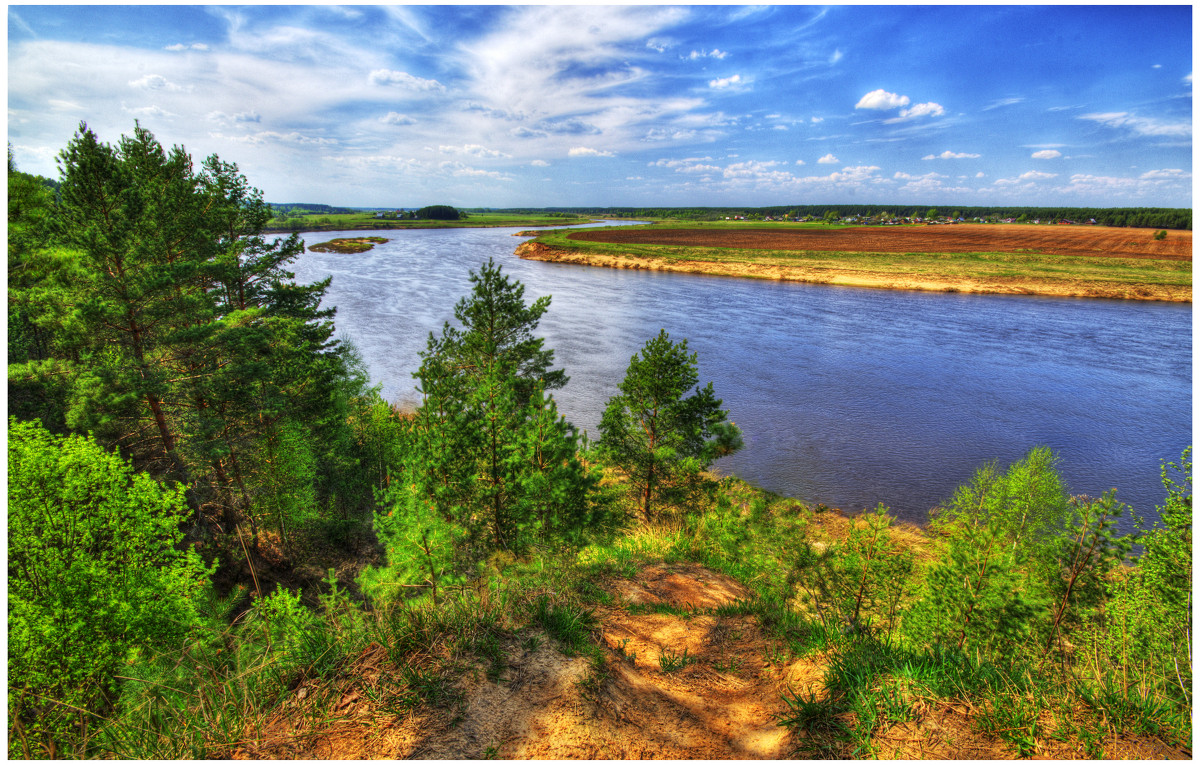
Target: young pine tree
[487,449]
[659,437]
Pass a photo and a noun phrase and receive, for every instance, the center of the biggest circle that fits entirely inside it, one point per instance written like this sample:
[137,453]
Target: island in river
[1062,261]
[348,245]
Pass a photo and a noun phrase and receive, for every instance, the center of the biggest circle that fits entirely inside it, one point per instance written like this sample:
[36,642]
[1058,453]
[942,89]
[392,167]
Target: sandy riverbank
[859,278]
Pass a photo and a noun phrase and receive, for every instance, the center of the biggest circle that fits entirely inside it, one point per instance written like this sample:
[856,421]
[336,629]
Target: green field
[1034,268]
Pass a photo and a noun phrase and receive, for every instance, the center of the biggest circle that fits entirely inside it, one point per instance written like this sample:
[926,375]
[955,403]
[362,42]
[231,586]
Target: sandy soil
[1062,240]
[723,704]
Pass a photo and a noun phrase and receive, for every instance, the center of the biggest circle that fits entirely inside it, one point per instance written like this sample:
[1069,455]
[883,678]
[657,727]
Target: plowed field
[1088,241]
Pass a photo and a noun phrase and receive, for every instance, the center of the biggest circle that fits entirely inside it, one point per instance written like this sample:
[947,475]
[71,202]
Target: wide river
[845,396]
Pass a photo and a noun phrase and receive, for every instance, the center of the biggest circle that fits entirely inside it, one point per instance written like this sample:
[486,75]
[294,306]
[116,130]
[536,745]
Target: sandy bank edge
[550,254]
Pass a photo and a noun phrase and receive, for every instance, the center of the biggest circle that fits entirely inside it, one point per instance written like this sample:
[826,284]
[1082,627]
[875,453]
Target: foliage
[1000,540]
[165,322]
[853,584]
[656,436]
[439,212]
[489,463]
[95,575]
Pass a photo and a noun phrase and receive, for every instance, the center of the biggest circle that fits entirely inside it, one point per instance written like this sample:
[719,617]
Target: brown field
[1087,241]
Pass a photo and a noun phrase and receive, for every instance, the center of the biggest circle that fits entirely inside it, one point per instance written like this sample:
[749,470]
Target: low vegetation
[1035,268]
[348,245]
[220,531]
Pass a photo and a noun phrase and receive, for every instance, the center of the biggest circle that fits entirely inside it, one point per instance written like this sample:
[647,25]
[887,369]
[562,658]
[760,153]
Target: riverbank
[1050,263]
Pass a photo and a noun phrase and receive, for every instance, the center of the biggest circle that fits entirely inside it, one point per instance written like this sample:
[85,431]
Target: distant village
[889,220]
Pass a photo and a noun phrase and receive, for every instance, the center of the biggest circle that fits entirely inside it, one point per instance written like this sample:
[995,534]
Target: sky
[632,105]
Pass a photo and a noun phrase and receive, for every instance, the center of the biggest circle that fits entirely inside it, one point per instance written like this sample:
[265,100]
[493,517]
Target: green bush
[96,574]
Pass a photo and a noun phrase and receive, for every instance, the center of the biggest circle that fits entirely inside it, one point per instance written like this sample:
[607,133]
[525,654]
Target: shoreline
[852,278]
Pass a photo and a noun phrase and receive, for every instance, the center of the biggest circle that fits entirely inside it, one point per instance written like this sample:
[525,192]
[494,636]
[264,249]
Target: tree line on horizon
[1131,217]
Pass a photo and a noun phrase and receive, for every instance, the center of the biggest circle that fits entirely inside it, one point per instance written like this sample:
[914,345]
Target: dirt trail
[720,704]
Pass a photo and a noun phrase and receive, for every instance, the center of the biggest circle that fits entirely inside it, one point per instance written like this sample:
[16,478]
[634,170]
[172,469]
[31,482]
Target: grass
[979,266]
[350,246]
[219,693]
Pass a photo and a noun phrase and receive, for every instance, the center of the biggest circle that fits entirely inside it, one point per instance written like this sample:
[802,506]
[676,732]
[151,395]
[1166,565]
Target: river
[845,396]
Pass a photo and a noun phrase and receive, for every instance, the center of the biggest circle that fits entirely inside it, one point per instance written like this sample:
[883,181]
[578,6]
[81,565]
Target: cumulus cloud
[1145,126]
[180,46]
[923,110]
[951,155]
[540,163]
[147,111]
[725,82]
[154,82]
[404,80]
[828,159]
[1047,154]
[881,99]
[1171,175]
[1026,178]
[396,118]
[460,170]
[584,151]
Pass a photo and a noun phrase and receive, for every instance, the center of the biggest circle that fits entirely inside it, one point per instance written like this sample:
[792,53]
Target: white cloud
[1175,174]
[835,57]
[828,159]
[540,163]
[1046,154]
[923,110]
[584,151]
[1145,126]
[403,79]
[815,120]
[396,118]
[1028,178]
[714,53]
[271,136]
[951,155]
[180,46]
[799,162]
[154,82]
[460,170]
[474,150]
[881,99]
[148,111]
[725,82]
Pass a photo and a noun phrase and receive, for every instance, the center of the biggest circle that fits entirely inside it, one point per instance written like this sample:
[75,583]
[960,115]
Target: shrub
[95,575]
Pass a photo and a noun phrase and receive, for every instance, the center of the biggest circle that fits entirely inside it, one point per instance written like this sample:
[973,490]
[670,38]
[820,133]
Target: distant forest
[1136,217]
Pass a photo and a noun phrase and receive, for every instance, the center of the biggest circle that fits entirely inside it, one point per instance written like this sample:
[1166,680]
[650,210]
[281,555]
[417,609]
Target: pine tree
[488,451]
[654,434]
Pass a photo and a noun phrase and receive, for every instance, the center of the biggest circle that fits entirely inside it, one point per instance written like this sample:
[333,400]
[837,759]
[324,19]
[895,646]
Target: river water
[845,396]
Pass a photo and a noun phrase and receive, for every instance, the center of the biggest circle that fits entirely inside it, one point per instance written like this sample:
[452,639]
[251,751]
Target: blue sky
[641,105]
